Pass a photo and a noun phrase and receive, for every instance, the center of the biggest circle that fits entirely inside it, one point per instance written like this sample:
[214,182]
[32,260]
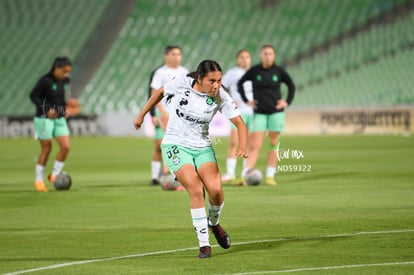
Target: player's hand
[52,113]
[252,103]
[72,107]
[281,104]
[241,153]
[138,122]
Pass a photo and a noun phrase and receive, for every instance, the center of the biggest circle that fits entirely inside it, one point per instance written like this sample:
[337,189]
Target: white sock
[40,170]
[231,166]
[243,171]
[200,225]
[270,171]
[57,167]
[155,169]
[214,213]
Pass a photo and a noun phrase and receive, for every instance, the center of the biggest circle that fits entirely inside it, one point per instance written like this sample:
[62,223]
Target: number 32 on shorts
[172,154]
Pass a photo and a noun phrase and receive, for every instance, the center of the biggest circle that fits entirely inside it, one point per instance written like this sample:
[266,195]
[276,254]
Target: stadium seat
[32,34]
[293,26]
[120,83]
[375,60]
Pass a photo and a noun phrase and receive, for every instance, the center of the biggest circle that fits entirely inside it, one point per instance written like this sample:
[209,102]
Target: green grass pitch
[352,213]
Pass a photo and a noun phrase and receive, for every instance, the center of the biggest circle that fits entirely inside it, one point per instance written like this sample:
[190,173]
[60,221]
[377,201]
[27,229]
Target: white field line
[194,248]
[322,268]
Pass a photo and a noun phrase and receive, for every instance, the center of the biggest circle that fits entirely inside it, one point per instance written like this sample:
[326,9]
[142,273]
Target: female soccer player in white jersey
[186,147]
[170,69]
[230,79]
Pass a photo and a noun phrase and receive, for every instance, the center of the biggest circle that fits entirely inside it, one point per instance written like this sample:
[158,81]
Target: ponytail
[205,67]
[192,75]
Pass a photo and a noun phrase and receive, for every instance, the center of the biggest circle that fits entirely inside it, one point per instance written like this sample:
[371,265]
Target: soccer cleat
[227,178]
[239,182]
[205,252]
[270,181]
[154,182]
[40,186]
[222,237]
[51,178]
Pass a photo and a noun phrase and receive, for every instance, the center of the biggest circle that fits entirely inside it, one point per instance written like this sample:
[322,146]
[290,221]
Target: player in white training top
[192,102]
[170,69]
[230,79]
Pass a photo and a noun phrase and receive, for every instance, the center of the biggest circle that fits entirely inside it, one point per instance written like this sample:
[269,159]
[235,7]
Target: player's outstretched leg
[214,213]
[188,176]
[221,235]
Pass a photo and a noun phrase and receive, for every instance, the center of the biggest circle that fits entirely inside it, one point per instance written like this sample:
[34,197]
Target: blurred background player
[268,105]
[230,79]
[194,100]
[48,95]
[160,76]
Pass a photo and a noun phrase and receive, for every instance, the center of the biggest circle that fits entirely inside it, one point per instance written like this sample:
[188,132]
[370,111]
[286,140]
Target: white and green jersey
[164,74]
[192,111]
[230,79]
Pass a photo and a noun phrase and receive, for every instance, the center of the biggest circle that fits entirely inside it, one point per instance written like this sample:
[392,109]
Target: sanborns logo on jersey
[189,118]
[195,120]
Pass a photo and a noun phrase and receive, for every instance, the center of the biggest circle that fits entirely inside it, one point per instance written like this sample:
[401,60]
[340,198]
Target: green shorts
[175,156]
[248,120]
[159,132]
[273,123]
[46,128]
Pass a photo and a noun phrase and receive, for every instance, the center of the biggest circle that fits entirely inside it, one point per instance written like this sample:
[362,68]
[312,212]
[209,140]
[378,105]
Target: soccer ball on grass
[62,181]
[168,183]
[253,176]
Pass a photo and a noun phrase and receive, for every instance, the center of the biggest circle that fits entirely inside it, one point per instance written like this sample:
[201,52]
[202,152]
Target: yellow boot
[270,181]
[40,186]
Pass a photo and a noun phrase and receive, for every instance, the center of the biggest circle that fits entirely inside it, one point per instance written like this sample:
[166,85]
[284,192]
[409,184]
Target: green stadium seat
[32,34]
[293,26]
[368,66]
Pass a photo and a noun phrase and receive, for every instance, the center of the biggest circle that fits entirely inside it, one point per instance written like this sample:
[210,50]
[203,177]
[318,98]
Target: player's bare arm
[242,134]
[152,101]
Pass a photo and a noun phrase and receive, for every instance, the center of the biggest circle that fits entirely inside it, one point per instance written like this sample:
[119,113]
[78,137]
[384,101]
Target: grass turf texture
[356,183]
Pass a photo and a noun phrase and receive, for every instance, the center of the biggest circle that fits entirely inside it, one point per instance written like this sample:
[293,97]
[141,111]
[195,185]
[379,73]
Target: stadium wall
[12,127]
[398,120]
[330,121]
